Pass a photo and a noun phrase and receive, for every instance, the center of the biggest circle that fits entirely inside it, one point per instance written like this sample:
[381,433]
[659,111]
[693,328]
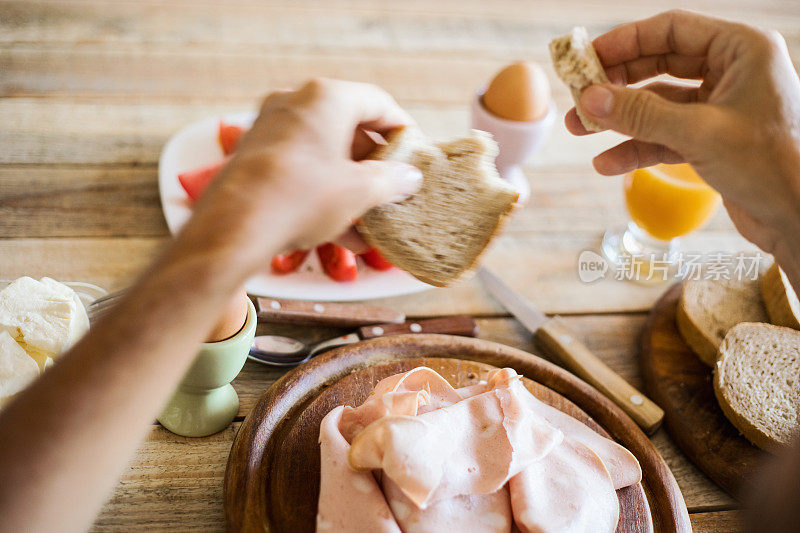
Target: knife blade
[557,339]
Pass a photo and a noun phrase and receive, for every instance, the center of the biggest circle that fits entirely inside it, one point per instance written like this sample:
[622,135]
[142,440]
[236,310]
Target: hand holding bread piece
[439,234]
[709,308]
[578,66]
[756,382]
[779,298]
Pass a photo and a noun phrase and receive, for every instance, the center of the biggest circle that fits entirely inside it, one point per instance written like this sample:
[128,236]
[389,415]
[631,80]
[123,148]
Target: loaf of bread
[709,308]
[578,66]
[757,382]
[779,298]
[439,234]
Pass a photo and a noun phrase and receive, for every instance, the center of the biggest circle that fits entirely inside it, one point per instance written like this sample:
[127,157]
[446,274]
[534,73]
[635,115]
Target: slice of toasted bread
[756,382]
[578,66]
[780,299]
[709,308]
[438,234]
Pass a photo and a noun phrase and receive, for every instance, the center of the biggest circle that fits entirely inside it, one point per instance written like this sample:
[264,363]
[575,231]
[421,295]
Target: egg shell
[519,92]
[232,317]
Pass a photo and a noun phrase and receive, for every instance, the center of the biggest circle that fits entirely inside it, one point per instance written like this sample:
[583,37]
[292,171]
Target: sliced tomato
[375,259]
[286,263]
[229,135]
[195,181]
[339,263]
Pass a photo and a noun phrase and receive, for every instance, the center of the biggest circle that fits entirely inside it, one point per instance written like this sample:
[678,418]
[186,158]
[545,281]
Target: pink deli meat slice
[471,447]
[420,378]
[349,501]
[621,464]
[473,513]
[417,391]
[568,491]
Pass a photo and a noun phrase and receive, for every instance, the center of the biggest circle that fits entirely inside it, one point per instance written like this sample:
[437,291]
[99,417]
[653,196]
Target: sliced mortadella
[471,447]
[474,513]
[621,464]
[568,491]
[411,393]
[349,501]
[355,419]
[421,378]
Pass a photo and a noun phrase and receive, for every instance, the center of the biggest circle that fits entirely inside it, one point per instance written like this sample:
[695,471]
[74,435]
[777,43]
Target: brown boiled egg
[232,317]
[519,92]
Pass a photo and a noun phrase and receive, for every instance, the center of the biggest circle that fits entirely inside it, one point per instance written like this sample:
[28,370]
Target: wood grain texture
[450,25]
[47,201]
[173,483]
[717,522]
[253,456]
[681,384]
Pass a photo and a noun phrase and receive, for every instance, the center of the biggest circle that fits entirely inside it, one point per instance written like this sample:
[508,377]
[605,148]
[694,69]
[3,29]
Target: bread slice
[709,308]
[757,382]
[438,234]
[578,66]
[779,298]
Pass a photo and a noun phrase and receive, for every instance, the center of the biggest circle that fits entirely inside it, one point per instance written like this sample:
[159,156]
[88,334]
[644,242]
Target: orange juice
[669,201]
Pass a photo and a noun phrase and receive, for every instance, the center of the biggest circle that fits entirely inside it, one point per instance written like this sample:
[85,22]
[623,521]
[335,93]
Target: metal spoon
[277,350]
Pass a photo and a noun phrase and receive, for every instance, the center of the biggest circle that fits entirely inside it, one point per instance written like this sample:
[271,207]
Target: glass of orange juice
[665,202]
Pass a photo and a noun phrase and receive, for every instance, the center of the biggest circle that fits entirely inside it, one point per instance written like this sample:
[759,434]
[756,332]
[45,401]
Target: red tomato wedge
[373,258]
[195,181]
[287,263]
[228,136]
[339,263]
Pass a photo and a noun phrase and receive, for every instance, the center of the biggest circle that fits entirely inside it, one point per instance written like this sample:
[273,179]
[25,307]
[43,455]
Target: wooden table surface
[90,91]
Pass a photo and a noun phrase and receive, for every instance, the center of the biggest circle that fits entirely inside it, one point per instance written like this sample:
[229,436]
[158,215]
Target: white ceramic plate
[196,145]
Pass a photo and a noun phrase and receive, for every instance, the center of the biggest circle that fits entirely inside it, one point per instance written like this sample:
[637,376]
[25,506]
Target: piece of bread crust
[779,298]
[709,308]
[439,234]
[755,383]
[577,64]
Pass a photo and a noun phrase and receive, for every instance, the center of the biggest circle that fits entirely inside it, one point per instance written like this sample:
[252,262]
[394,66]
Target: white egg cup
[518,141]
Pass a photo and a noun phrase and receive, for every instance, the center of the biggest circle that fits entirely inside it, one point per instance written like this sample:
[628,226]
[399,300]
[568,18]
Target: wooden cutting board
[272,477]
[681,385]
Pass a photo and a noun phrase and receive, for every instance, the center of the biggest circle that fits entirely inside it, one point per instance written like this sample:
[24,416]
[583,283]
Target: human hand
[298,177]
[740,128]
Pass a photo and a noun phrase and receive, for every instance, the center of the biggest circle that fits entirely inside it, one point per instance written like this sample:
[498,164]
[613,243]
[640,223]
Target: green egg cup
[205,401]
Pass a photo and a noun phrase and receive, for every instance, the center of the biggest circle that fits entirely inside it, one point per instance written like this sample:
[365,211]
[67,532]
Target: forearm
[101,397]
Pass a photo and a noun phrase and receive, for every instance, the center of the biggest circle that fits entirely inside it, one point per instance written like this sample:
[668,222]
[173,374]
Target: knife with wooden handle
[557,339]
[333,314]
[463,325]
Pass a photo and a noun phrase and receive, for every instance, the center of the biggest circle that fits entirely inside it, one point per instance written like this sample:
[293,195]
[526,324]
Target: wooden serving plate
[681,385]
[272,477]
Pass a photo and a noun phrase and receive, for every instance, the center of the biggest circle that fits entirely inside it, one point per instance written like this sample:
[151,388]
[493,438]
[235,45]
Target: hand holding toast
[740,128]
[301,163]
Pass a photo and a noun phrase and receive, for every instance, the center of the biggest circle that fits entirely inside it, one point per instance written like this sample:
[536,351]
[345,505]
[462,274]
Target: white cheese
[45,317]
[17,369]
